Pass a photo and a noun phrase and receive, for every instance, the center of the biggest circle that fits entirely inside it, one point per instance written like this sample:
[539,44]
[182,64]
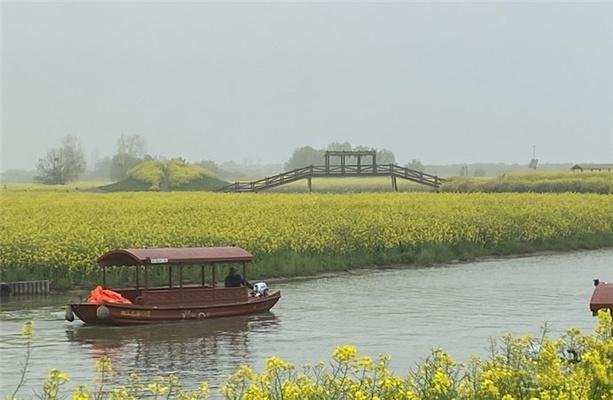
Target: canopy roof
[187,255]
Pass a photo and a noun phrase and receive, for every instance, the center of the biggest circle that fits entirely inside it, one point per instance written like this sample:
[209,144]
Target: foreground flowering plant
[575,366]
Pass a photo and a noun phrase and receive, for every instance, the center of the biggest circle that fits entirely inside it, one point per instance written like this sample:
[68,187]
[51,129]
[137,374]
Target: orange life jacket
[100,295]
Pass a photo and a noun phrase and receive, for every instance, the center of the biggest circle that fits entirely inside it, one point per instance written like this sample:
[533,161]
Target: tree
[131,144]
[304,156]
[463,171]
[63,164]
[416,165]
[385,156]
[130,151]
[210,166]
[102,169]
[479,171]
[338,146]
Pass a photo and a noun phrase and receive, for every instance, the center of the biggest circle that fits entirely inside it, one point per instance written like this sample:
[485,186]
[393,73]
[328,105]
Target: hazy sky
[443,83]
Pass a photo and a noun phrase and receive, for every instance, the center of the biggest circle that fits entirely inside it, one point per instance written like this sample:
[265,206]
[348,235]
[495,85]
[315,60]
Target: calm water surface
[403,312]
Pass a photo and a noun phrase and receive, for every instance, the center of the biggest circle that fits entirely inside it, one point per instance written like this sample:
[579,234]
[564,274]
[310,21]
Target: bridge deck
[321,171]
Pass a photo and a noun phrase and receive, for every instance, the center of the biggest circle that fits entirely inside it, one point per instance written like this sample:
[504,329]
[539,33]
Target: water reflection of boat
[111,336]
[189,348]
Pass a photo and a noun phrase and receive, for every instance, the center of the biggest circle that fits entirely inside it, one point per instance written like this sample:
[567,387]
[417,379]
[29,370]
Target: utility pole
[534,160]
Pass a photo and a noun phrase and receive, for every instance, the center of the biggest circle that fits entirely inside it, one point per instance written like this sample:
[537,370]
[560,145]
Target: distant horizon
[245,163]
[256,161]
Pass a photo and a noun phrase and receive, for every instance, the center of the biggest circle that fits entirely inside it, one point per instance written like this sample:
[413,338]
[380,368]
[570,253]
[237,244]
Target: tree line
[307,155]
[67,162]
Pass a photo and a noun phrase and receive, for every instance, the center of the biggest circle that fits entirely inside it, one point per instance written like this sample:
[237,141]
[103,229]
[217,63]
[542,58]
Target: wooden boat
[178,303]
[602,298]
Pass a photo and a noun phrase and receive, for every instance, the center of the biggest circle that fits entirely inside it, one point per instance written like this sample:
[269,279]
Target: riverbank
[357,270]
[287,266]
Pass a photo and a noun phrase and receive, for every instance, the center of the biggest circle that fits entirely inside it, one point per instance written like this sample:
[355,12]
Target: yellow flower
[409,395]
[55,375]
[364,363]
[290,390]
[489,387]
[27,330]
[104,364]
[157,389]
[203,389]
[441,381]
[605,323]
[81,393]
[344,354]
[275,363]
[255,393]
[120,394]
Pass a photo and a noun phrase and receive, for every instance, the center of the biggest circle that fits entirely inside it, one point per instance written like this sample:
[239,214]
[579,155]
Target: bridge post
[394,183]
[342,164]
[309,184]
[327,158]
[359,164]
[374,162]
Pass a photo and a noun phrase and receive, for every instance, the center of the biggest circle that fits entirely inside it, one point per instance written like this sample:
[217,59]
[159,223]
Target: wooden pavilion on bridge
[344,155]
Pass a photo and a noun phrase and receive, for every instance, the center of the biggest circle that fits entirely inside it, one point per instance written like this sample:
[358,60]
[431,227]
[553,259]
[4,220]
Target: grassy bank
[58,236]
[287,264]
[76,186]
[536,182]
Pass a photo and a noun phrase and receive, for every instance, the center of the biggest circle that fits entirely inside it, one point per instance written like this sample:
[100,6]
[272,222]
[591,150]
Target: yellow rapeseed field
[69,230]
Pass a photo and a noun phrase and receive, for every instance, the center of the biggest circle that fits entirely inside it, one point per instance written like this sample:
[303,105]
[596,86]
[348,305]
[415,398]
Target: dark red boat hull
[133,314]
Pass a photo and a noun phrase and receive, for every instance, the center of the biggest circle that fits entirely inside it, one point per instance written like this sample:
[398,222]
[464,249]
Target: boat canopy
[186,255]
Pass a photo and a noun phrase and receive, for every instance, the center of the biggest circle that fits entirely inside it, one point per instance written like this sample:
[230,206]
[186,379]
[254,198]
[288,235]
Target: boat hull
[602,298]
[134,314]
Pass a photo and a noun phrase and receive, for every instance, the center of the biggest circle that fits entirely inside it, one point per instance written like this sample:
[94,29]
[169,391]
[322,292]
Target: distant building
[592,167]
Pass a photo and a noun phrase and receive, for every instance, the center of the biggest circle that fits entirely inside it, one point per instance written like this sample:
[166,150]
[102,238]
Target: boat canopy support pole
[202,274]
[181,276]
[104,276]
[244,270]
[213,277]
[170,276]
[137,276]
[146,276]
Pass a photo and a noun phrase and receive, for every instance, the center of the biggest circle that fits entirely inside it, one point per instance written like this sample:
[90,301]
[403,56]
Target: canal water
[401,312]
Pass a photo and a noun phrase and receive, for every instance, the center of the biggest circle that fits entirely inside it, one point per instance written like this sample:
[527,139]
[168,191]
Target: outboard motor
[69,315]
[260,289]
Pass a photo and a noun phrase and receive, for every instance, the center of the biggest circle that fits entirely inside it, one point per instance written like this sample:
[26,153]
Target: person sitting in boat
[234,279]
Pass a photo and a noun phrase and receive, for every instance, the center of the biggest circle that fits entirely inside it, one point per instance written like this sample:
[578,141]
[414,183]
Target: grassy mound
[166,176]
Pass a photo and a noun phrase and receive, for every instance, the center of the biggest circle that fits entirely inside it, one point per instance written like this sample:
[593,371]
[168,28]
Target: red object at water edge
[602,298]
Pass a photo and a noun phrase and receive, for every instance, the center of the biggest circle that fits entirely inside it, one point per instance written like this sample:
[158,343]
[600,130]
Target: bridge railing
[334,170]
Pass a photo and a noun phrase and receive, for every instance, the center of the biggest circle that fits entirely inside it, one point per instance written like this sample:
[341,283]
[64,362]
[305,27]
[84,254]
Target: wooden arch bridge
[342,169]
